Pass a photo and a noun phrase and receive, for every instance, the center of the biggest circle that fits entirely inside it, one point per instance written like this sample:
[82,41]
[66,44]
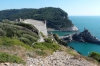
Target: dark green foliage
[5,57]
[56,37]
[59,40]
[2,32]
[24,32]
[48,40]
[95,56]
[31,38]
[25,40]
[8,42]
[55,17]
[28,26]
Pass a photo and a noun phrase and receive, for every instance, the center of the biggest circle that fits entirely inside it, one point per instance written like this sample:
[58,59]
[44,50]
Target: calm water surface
[92,23]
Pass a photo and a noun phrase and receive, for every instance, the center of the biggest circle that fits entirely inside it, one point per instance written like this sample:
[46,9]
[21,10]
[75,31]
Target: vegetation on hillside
[19,40]
[95,56]
[24,32]
[59,40]
[55,17]
[5,57]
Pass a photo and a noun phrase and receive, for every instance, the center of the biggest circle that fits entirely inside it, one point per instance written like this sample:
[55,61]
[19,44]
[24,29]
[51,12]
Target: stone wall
[40,25]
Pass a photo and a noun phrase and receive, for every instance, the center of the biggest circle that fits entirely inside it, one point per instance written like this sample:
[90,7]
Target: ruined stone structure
[40,25]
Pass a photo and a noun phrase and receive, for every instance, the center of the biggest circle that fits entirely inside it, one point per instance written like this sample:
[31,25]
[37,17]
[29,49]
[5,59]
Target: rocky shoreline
[71,29]
[84,36]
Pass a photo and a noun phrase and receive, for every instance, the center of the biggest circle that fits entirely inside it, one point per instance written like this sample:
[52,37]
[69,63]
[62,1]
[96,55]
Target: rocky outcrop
[84,36]
[73,28]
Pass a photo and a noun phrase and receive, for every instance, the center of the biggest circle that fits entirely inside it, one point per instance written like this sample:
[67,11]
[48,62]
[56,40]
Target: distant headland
[56,18]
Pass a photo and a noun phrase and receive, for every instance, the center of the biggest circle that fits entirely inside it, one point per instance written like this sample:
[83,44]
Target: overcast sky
[72,7]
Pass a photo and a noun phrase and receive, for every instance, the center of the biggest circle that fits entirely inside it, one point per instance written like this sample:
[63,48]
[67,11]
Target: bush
[4,41]
[5,57]
[59,40]
[29,26]
[95,56]
[48,40]
[25,40]
[31,38]
[24,34]
[56,37]
[2,32]
[12,30]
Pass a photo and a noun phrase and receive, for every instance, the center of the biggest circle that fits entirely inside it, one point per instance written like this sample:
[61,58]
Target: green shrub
[12,30]
[59,40]
[31,38]
[56,37]
[29,26]
[2,32]
[25,40]
[5,57]
[95,56]
[5,41]
[48,40]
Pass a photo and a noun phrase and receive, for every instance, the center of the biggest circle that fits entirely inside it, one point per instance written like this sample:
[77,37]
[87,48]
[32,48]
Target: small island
[84,36]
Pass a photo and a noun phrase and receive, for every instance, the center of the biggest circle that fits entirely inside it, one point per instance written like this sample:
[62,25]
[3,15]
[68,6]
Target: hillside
[19,46]
[24,32]
[56,18]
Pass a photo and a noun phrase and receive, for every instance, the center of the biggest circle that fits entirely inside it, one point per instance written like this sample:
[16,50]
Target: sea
[92,23]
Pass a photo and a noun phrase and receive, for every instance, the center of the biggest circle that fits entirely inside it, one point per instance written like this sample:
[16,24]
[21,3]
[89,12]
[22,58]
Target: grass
[5,57]
[5,41]
[21,30]
[45,48]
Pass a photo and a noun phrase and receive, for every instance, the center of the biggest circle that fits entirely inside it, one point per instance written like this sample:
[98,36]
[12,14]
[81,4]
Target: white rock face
[40,25]
[73,28]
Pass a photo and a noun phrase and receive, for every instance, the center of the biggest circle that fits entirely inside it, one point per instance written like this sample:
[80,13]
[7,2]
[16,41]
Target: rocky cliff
[84,36]
[72,28]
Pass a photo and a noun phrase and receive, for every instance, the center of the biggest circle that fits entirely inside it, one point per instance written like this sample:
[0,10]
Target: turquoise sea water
[92,23]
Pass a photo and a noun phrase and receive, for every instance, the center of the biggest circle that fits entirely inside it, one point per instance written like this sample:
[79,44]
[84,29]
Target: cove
[85,48]
[92,23]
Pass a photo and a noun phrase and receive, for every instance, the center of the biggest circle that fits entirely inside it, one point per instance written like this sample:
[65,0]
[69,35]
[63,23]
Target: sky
[72,7]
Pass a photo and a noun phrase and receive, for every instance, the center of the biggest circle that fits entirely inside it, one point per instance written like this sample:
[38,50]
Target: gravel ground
[56,59]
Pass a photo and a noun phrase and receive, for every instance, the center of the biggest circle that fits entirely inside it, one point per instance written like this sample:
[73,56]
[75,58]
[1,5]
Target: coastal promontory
[84,36]
[56,18]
